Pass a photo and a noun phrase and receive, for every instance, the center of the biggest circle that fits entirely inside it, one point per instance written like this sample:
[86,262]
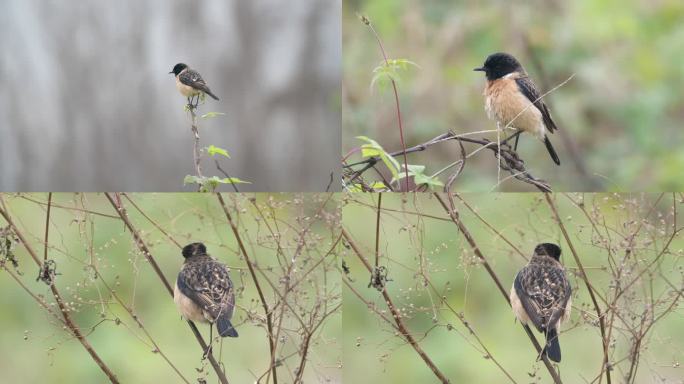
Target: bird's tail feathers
[552,347]
[225,327]
[552,151]
[208,92]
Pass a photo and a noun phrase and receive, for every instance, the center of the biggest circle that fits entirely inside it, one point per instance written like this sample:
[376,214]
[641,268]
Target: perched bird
[203,290]
[190,83]
[512,99]
[541,295]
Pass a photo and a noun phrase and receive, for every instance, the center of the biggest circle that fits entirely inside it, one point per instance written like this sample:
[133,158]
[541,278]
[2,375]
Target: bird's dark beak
[479,69]
[171,72]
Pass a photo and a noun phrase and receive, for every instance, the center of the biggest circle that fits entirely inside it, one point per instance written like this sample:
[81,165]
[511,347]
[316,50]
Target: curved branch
[262,297]
[451,211]
[121,210]
[604,339]
[507,158]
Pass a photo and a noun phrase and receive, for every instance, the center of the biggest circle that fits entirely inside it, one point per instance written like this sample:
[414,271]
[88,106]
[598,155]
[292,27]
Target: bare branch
[71,326]
[121,210]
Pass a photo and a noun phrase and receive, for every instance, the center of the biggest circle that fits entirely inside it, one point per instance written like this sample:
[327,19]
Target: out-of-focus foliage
[92,249]
[622,112]
[433,276]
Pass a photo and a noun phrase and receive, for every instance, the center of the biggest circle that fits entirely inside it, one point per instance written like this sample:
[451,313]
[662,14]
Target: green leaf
[389,71]
[354,188]
[211,183]
[214,150]
[373,149]
[190,179]
[231,180]
[378,186]
[419,176]
[209,115]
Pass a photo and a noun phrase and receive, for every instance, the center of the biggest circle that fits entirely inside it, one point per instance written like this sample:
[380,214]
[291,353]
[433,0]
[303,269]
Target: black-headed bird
[190,83]
[204,292]
[512,100]
[541,295]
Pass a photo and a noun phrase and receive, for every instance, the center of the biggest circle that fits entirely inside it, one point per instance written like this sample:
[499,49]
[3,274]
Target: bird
[512,99]
[204,292]
[541,294]
[190,83]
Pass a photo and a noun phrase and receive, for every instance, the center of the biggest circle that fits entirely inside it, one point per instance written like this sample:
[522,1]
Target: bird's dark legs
[517,137]
[192,105]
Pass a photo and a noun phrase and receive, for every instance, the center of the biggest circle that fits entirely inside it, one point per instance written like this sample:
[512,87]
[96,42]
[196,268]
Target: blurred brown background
[87,102]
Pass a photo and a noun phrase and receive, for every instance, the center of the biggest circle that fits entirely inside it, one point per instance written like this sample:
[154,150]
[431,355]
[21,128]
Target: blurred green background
[620,118]
[35,349]
[418,241]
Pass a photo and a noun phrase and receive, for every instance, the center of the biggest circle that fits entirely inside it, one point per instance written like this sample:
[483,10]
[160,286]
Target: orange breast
[507,105]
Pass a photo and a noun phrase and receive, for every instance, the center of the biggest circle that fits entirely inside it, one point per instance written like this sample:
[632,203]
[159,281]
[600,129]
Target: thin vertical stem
[262,297]
[377,231]
[604,340]
[396,100]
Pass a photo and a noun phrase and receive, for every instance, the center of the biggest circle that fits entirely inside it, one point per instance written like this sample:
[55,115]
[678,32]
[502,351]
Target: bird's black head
[194,249]
[548,249]
[178,68]
[499,65]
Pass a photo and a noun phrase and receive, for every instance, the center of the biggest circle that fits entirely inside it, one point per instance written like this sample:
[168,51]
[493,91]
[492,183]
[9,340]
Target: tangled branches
[453,259]
[507,158]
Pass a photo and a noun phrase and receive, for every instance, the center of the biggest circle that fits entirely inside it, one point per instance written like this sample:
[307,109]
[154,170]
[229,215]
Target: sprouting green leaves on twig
[384,73]
[204,183]
[214,150]
[209,184]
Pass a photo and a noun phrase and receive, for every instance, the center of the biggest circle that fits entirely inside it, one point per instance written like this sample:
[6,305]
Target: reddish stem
[396,100]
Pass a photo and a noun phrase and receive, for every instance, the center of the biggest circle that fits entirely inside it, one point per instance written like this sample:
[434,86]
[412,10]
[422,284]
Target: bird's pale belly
[518,309]
[186,90]
[188,309]
[505,104]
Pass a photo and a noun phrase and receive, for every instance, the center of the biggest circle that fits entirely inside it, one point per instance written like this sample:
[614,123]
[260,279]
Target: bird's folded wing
[523,287]
[193,79]
[527,88]
[209,286]
[561,293]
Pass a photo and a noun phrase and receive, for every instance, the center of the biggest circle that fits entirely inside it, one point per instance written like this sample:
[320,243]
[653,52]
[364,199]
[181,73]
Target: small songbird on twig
[541,295]
[204,292]
[512,99]
[190,83]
